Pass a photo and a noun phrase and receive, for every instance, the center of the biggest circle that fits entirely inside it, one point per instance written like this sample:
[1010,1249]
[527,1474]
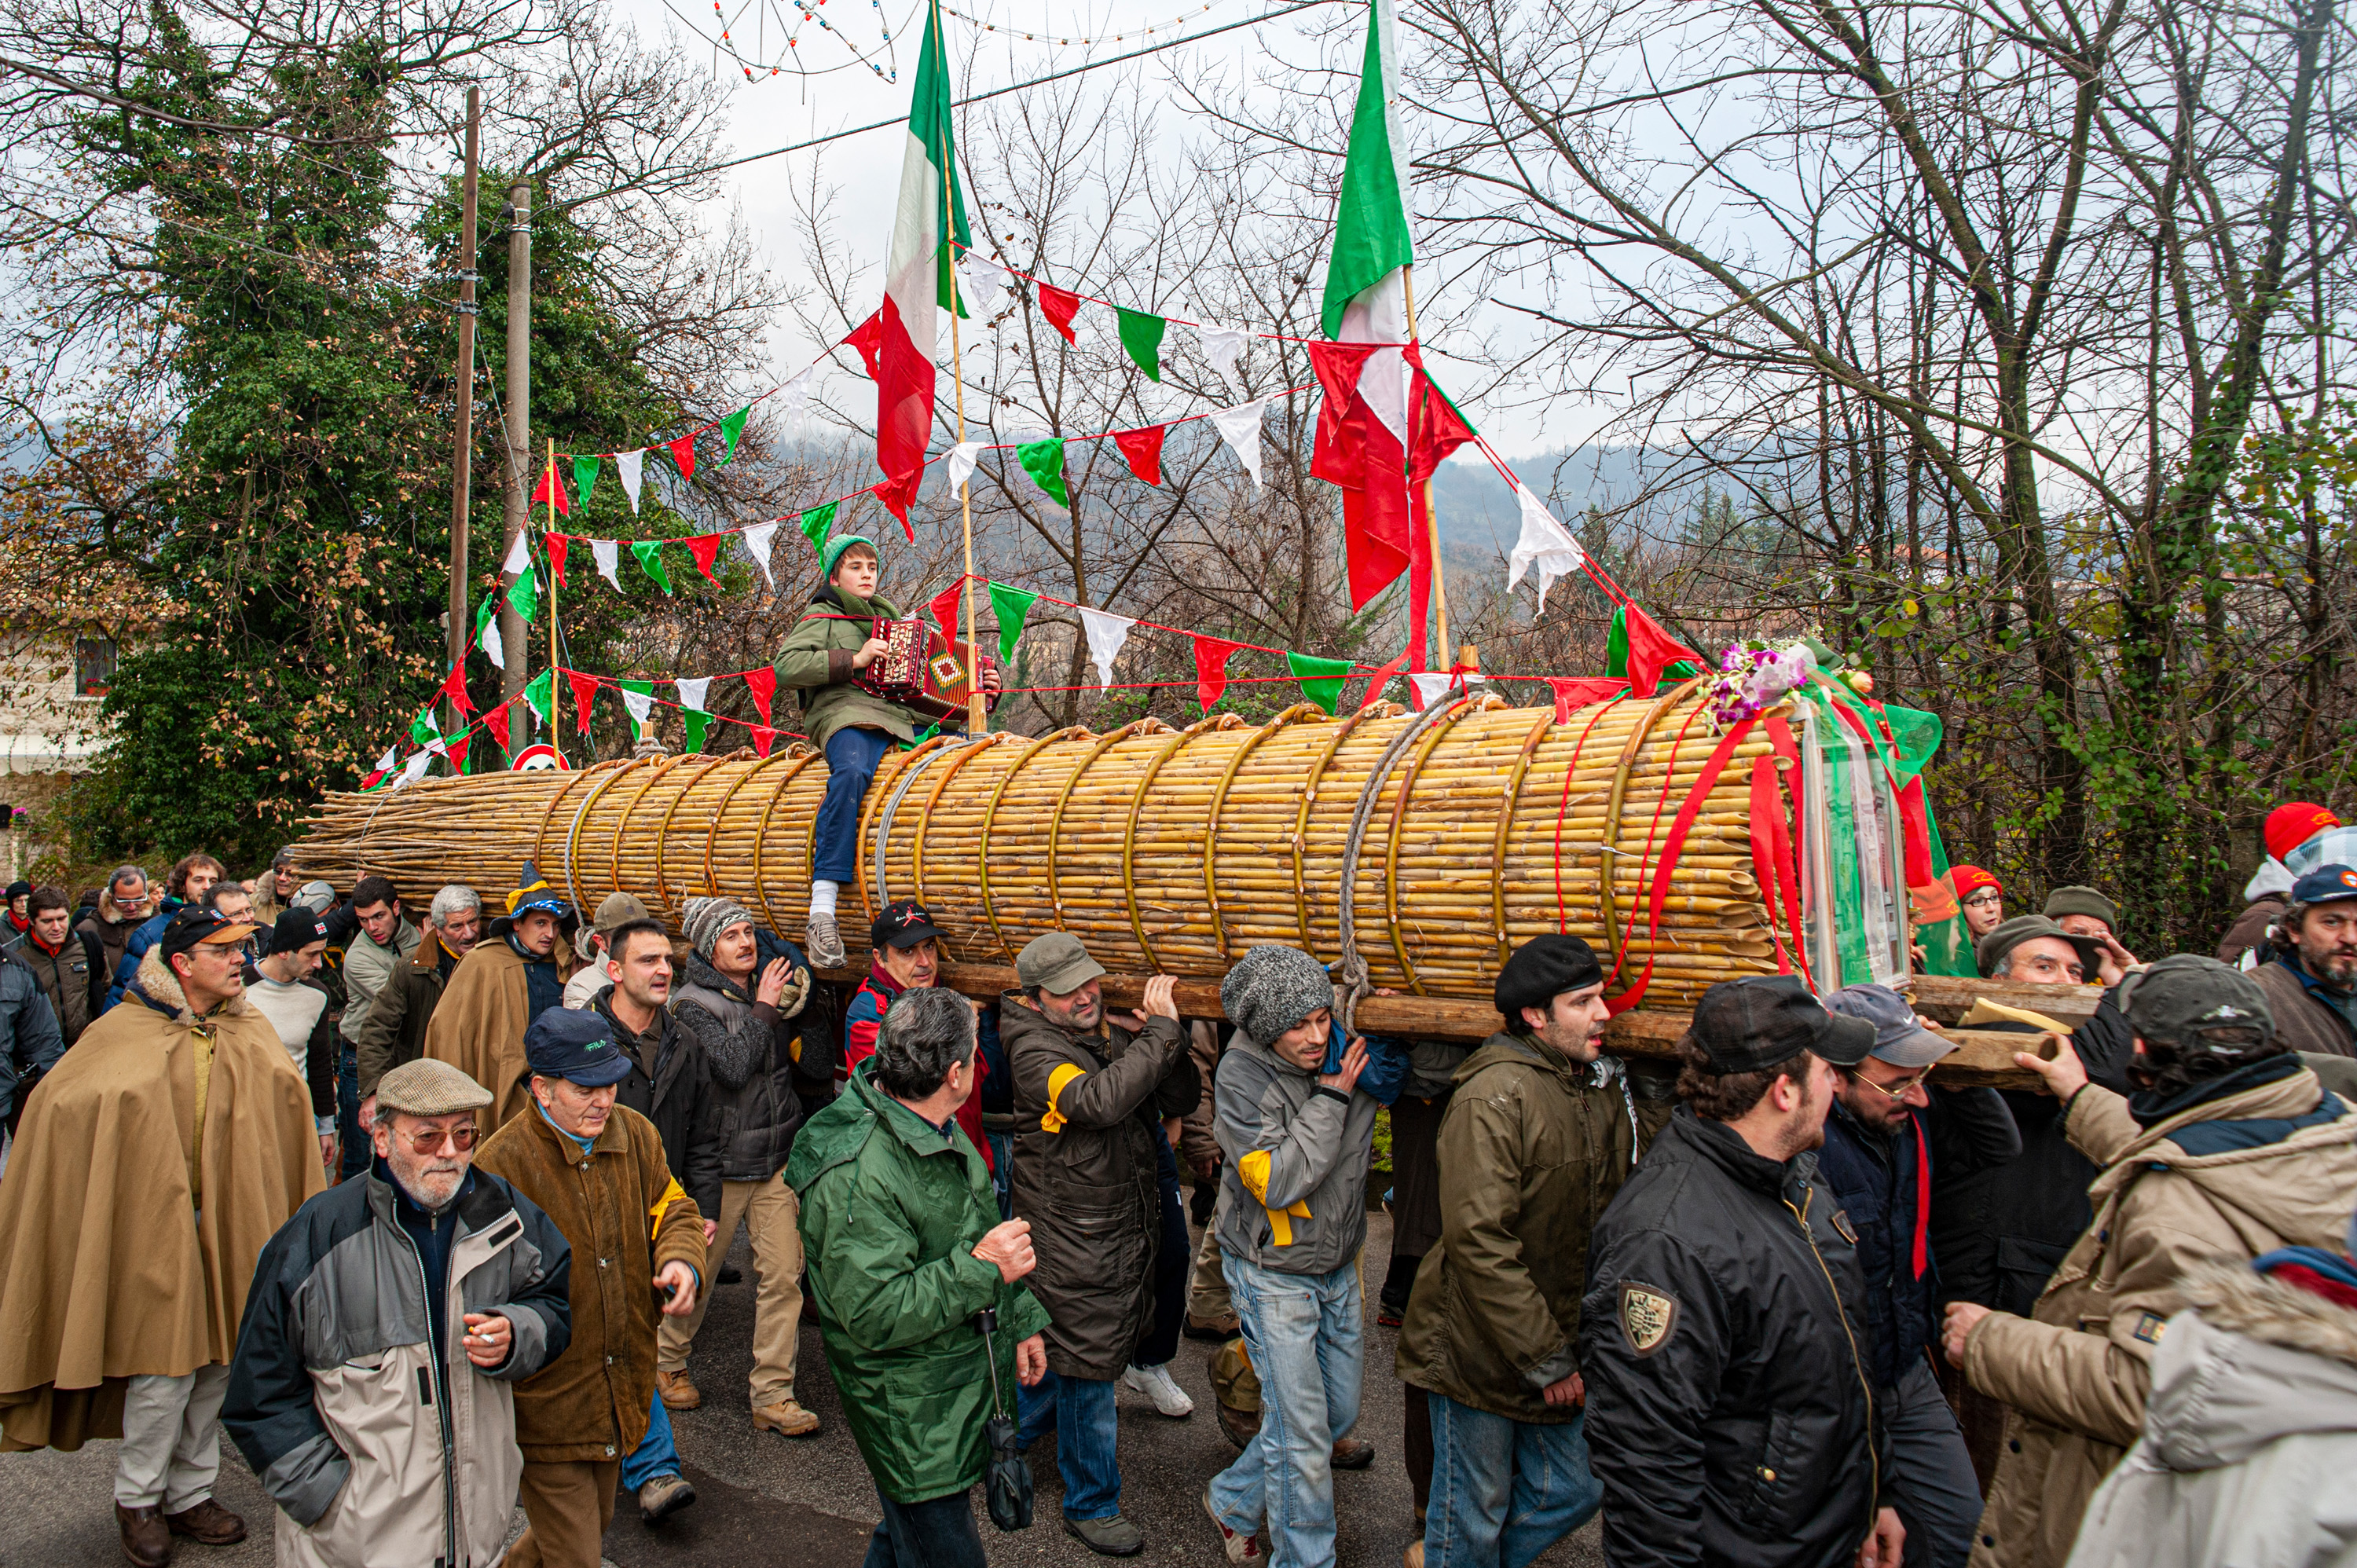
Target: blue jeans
[358,1150]
[654,1455]
[1002,1170]
[851,756]
[1504,1490]
[1079,1411]
[1305,1335]
[936,1534]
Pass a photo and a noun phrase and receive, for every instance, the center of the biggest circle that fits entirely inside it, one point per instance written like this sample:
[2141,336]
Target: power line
[1020,86]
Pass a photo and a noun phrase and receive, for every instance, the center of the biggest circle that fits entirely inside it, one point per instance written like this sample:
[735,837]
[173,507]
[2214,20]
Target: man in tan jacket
[2227,1148]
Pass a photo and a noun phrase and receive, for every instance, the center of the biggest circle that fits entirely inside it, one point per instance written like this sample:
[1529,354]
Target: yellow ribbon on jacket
[1051,1120]
[670,1195]
[1253,1169]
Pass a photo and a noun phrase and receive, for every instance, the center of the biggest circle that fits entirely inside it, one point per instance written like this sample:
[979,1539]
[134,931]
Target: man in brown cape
[123,1275]
[506,980]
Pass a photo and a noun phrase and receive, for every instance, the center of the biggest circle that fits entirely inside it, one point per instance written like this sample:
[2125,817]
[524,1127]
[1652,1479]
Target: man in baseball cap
[1890,1140]
[2311,982]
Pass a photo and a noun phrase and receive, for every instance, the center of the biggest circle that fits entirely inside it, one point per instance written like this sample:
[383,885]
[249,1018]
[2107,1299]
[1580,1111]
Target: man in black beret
[1539,1134]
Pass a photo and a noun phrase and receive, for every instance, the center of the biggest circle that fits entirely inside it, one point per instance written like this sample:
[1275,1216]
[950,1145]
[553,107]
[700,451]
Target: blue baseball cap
[574,1044]
[2325,885]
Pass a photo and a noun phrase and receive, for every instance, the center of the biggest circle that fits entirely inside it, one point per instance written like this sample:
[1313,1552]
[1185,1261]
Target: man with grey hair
[387,1322]
[273,890]
[395,1030]
[906,1254]
[121,907]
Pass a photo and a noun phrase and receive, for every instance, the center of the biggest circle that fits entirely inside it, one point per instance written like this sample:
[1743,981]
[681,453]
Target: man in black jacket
[70,964]
[1723,1337]
[1890,1140]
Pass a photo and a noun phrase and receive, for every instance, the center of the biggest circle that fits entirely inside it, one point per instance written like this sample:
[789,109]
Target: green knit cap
[835,547]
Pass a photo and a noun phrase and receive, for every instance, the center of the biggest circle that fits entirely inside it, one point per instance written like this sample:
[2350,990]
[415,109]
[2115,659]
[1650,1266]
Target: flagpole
[556,697]
[1431,516]
[977,715]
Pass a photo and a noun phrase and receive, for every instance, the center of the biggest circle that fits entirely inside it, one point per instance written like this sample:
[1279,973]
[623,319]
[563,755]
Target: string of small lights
[1060,39]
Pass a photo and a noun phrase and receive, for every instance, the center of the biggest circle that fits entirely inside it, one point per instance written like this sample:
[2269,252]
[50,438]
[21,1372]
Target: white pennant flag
[1240,427]
[519,558]
[1429,689]
[1223,345]
[608,553]
[630,464]
[757,541]
[384,764]
[640,703]
[690,693]
[1106,635]
[792,399]
[416,770]
[963,458]
[1544,544]
[493,648]
[984,283]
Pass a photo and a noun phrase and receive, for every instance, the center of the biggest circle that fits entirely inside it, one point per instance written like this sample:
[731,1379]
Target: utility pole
[514,633]
[462,444]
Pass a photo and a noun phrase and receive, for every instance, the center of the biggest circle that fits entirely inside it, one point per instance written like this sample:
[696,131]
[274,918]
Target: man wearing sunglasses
[388,1318]
[1889,1139]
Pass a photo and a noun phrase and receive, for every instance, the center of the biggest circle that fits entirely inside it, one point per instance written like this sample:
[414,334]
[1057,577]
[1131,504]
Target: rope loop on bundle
[932,751]
[1350,977]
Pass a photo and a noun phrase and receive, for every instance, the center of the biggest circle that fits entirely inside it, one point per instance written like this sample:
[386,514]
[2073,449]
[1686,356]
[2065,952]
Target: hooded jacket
[670,1086]
[1293,1192]
[1723,1340]
[109,1266]
[73,977]
[757,1060]
[2265,1160]
[1086,1108]
[30,1042]
[815,660]
[376,1446]
[1532,1147]
[2250,1433]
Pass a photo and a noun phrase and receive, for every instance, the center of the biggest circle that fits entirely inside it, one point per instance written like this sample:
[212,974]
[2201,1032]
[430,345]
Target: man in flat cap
[1539,1136]
[372,1389]
[505,982]
[123,1269]
[598,1169]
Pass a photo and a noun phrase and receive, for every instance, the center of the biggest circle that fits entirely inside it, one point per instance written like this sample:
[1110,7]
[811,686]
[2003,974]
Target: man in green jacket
[901,1234]
[1539,1133]
[833,642]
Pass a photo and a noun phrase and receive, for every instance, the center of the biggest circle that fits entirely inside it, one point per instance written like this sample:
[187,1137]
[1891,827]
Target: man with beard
[2311,985]
[382,1435]
[124,1268]
[498,990]
[395,1031]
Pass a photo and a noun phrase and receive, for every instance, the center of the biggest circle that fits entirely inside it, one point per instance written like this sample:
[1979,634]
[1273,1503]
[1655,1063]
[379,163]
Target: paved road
[764,1499]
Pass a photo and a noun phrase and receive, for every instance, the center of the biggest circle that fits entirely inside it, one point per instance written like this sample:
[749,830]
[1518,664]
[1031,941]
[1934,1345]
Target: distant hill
[1480,521]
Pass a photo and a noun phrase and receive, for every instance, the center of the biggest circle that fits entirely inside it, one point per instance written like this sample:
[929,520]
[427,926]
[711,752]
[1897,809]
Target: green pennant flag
[1141,334]
[523,596]
[732,425]
[644,691]
[696,722]
[484,611]
[1044,461]
[1012,605]
[585,476]
[650,554]
[537,694]
[1321,679]
[1616,645]
[423,728]
[814,525]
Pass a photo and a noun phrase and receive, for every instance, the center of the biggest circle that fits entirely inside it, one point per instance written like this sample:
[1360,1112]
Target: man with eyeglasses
[387,1321]
[1890,1138]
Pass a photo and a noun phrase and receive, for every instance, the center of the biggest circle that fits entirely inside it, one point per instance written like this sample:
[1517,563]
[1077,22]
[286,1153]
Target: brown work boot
[785,1418]
[1240,1425]
[1414,1556]
[1223,1327]
[662,1496]
[208,1524]
[677,1393]
[147,1540]
[1353,1453]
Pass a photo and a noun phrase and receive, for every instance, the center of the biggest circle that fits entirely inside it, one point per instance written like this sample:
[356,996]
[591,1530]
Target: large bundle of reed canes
[1440,839]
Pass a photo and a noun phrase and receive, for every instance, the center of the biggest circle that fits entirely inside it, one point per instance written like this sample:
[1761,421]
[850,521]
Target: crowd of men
[452,1194]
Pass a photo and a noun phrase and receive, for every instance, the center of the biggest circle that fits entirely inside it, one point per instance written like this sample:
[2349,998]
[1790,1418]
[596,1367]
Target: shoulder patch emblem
[1842,1224]
[2149,1326]
[1647,1317]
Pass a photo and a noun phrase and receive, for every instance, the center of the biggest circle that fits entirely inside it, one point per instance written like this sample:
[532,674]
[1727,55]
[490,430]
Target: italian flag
[1362,428]
[920,280]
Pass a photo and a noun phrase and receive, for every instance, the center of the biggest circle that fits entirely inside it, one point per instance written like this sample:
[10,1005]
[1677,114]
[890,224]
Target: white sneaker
[1155,1383]
[1242,1546]
[823,947]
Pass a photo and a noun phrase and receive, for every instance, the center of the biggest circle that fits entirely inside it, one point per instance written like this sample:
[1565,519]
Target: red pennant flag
[763,735]
[555,544]
[1573,692]
[550,492]
[1434,431]
[945,607]
[1651,650]
[1212,669]
[585,694]
[454,686]
[683,452]
[898,496]
[868,339]
[1143,448]
[456,750]
[496,721]
[1362,457]
[705,547]
[1383,678]
[764,684]
[1058,307]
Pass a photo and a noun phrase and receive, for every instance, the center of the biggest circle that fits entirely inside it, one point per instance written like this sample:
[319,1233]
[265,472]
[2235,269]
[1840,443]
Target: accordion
[921,670]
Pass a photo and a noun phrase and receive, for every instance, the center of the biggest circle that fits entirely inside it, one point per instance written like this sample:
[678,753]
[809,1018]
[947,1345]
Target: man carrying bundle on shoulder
[822,658]
[498,989]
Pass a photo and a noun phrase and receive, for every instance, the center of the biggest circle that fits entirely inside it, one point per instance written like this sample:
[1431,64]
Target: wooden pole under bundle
[977,714]
[555,686]
[1431,516]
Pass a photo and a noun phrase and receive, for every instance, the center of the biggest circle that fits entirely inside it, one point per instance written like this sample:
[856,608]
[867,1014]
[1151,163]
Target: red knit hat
[1971,879]
[2294,823]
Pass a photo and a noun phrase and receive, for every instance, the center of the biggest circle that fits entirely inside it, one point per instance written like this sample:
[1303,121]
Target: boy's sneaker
[824,947]
[1243,1545]
[1156,1383]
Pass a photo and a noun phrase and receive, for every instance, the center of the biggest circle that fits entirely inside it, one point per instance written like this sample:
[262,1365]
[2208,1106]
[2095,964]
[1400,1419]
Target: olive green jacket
[1532,1147]
[815,660]
[891,1211]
